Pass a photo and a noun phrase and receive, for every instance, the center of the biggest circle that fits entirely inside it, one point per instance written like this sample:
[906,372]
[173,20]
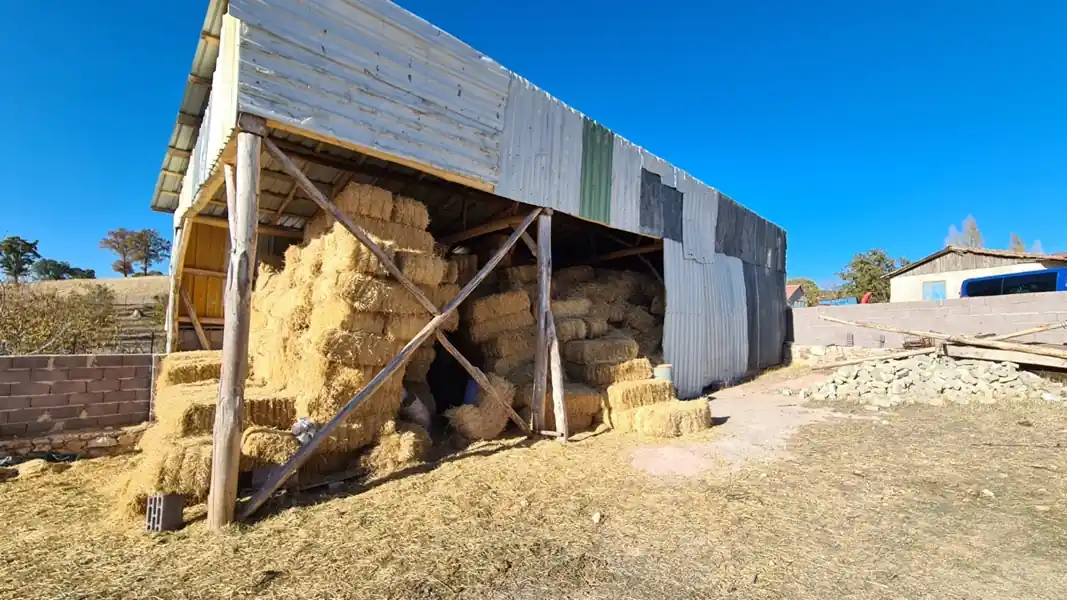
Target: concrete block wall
[991,314]
[51,394]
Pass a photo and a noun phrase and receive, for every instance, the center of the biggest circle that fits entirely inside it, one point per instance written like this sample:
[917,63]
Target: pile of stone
[934,380]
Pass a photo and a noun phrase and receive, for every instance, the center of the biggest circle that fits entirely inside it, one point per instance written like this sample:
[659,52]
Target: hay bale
[168,466]
[418,367]
[570,328]
[451,272]
[485,419]
[611,348]
[511,344]
[659,305]
[384,233]
[496,306]
[410,212]
[482,331]
[370,294]
[631,394]
[640,319]
[38,466]
[365,200]
[595,326]
[399,446]
[466,267]
[354,348]
[669,419]
[524,274]
[266,447]
[321,389]
[612,311]
[189,409]
[565,279]
[188,367]
[601,374]
[572,307]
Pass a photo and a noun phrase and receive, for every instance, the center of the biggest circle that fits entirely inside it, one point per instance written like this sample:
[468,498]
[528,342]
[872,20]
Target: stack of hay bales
[176,451]
[335,317]
[321,328]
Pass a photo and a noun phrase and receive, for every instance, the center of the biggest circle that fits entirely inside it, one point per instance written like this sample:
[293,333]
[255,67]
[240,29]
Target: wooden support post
[181,241]
[205,344]
[555,372]
[958,339]
[544,313]
[243,198]
[204,272]
[281,474]
[330,208]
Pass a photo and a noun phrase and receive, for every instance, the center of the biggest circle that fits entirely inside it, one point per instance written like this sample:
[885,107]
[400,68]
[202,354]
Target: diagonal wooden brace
[330,208]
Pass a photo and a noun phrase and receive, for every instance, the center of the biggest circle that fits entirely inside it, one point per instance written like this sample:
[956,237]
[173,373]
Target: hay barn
[366,91]
[380,173]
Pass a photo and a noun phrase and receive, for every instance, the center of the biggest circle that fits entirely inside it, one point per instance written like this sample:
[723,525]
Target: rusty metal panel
[705,333]
[541,149]
[373,75]
[700,213]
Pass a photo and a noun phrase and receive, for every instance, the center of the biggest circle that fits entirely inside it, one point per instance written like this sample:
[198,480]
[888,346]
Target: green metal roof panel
[595,189]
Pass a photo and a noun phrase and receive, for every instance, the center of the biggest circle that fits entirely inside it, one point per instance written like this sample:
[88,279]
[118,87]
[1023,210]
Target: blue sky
[853,125]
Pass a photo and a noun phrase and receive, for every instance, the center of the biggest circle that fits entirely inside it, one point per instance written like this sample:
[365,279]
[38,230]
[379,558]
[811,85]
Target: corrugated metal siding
[752,316]
[766,315]
[541,150]
[218,121]
[598,147]
[705,333]
[700,213]
[661,207]
[743,234]
[626,186]
[373,75]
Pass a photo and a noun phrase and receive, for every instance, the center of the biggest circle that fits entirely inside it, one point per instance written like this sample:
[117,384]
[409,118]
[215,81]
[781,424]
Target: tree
[1017,244]
[17,257]
[867,273]
[811,290]
[970,237]
[48,269]
[34,320]
[120,241]
[147,248]
[1036,248]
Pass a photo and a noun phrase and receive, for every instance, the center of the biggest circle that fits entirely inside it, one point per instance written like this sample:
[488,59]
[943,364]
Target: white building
[940,276]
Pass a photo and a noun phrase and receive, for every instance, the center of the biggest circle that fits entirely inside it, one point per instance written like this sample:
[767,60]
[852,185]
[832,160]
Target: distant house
[940,275]
[794,296]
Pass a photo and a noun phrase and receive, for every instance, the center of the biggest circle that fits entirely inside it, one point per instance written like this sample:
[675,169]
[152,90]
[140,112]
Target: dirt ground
[781,500]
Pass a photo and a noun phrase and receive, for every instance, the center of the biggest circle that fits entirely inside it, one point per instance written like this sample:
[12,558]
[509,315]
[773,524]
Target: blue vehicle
[1029,282]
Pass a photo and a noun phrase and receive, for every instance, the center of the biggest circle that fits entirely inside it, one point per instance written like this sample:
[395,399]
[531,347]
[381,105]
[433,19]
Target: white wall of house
[909,288]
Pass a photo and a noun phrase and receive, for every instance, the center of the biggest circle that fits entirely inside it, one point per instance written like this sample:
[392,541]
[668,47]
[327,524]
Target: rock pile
[934,380]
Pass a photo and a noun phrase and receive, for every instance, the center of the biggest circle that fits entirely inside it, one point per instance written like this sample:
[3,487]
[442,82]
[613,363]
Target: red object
[866,299]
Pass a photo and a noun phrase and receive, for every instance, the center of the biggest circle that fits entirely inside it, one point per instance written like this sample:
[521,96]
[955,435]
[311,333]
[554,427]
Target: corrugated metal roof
[373,75]
[540,161]
[982,251]
[191,111]
[705,335]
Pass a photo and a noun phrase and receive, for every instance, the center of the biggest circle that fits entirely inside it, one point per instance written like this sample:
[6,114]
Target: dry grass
[266,447]
[486,418]
[859,509]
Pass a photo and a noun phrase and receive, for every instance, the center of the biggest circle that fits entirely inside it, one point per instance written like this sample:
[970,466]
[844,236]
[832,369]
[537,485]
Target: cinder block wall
[41,395]
[992,314]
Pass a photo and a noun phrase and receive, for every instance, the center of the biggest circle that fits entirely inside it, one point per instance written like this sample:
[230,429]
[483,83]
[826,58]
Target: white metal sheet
[376,76]
[705,334]
[700,212]
[541,150]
